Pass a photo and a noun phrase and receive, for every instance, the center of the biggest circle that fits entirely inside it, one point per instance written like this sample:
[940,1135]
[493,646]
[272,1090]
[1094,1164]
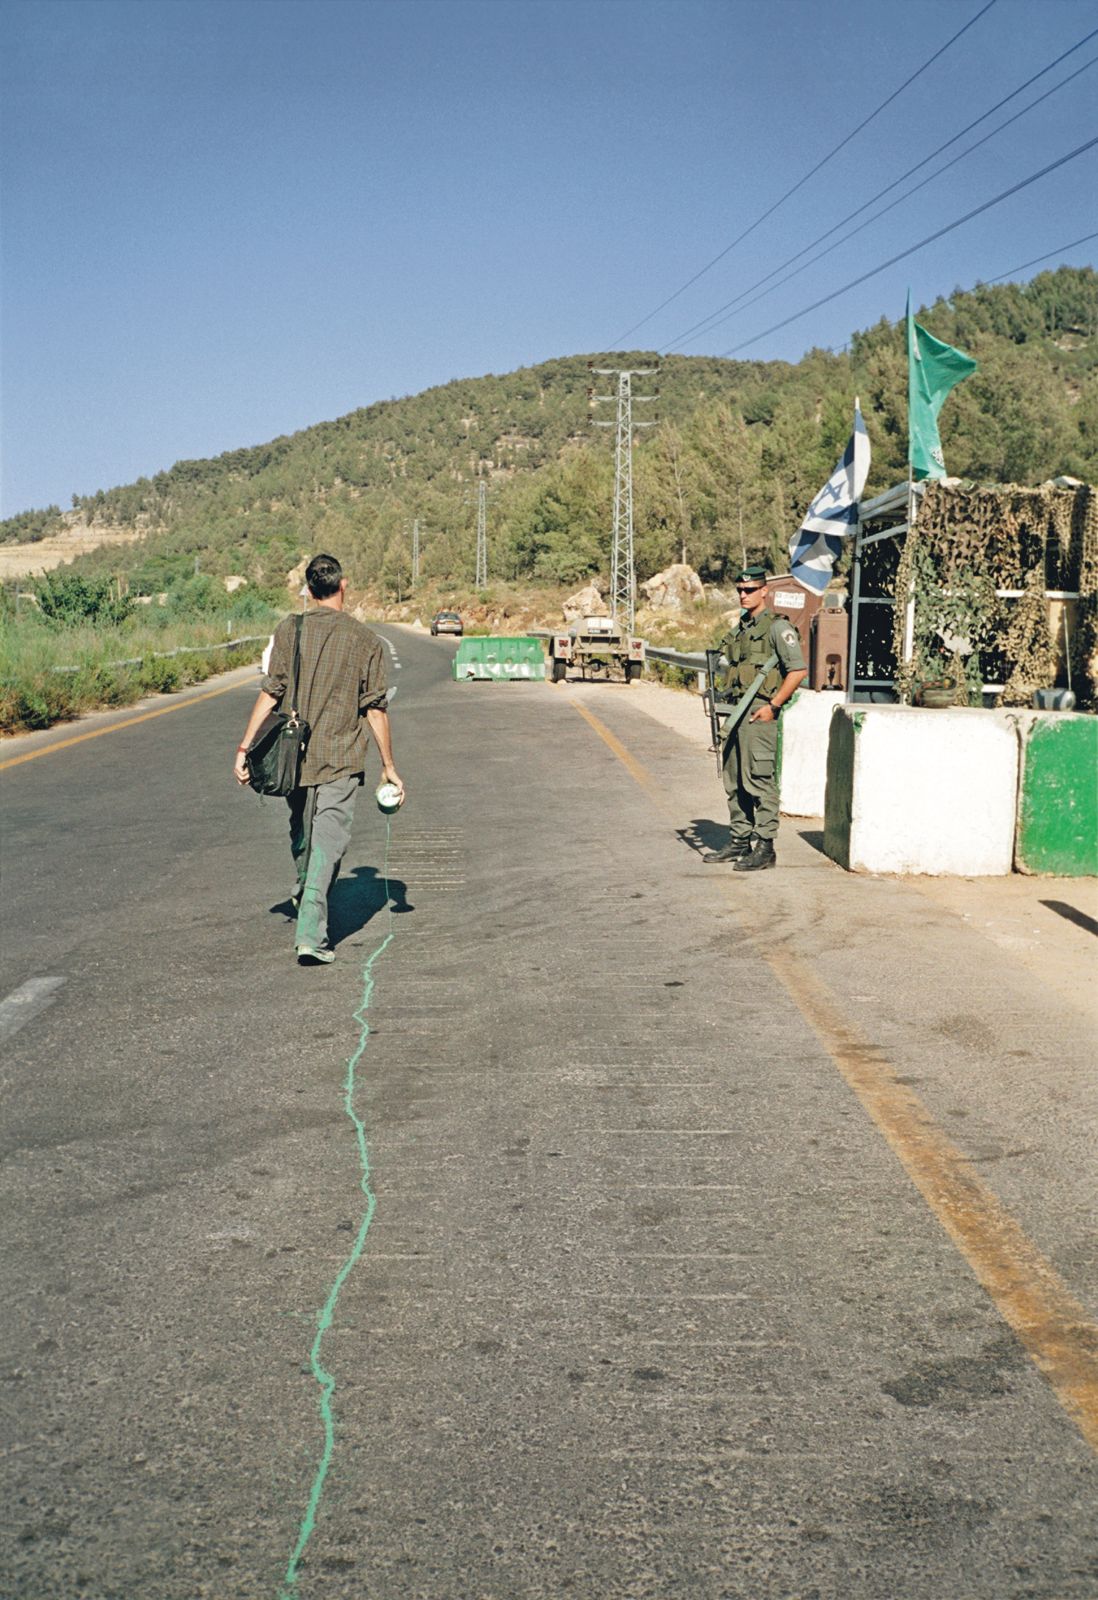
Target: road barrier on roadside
[1057,825]
[499,659]
[962,791]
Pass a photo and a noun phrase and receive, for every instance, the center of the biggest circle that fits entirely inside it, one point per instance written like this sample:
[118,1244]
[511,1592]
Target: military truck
[597,646]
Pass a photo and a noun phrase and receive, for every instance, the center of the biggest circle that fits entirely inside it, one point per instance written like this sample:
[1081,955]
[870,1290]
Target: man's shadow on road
[355,899]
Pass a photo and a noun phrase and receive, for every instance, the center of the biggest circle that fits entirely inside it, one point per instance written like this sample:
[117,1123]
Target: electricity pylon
[481,581]
[623,577]
[415,551]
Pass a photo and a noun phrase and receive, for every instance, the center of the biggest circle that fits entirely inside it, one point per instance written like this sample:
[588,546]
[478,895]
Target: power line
[715,319]
[707,322]
[618,342]
[1036,262]
[910,251]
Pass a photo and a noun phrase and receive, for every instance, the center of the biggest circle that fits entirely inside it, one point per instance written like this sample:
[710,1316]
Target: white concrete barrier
[804,727]
[921,791]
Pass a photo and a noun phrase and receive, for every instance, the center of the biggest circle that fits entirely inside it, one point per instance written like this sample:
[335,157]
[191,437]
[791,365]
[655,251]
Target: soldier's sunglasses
[750,588]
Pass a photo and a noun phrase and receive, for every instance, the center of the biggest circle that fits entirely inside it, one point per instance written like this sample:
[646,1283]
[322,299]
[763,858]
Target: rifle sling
[737,712]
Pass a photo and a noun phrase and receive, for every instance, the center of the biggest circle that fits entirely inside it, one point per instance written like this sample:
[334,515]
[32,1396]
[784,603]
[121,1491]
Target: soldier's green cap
[751,575]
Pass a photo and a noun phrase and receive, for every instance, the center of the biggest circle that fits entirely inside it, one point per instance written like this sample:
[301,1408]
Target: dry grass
[50,675]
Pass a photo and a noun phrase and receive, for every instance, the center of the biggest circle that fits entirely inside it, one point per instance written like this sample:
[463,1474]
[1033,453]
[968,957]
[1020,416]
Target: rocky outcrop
[234,582]
[676,588]
[585,603]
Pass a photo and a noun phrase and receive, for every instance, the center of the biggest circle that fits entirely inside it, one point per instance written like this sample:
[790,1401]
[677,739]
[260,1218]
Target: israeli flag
[833,515]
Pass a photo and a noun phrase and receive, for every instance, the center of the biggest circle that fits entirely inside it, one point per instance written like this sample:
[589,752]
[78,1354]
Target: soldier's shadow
[703,834]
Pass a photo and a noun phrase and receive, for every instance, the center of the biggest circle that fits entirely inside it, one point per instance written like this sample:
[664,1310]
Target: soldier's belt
[729,708]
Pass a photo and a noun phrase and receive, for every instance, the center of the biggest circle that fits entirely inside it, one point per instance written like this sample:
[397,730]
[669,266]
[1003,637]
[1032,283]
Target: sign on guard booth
[789,597]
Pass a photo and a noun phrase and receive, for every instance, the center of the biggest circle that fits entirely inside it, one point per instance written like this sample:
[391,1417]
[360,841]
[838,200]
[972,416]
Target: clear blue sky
[225,221]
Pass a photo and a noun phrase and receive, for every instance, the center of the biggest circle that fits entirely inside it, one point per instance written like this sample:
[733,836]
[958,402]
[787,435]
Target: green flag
[933,368]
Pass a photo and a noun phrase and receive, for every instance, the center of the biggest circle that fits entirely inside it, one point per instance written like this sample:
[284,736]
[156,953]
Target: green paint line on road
[324,1378]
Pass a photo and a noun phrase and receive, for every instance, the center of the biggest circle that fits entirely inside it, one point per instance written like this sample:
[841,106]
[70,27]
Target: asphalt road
[672,1287]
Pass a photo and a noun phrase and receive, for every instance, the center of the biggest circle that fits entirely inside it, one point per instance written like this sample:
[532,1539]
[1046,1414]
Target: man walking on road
[759,643]
[341,692]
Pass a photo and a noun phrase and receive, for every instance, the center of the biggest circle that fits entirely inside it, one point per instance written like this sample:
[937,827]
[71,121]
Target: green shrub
[39,703]
[198,594]
[95,684]
[160,675]
[69,600]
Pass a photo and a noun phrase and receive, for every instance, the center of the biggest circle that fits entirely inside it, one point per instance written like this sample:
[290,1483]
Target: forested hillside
[740,450]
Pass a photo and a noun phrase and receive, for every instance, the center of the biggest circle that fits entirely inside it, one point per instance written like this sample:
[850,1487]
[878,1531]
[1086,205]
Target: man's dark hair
[323,576]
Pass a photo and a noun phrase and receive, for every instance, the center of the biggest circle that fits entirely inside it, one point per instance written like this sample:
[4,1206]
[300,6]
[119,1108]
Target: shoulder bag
[274,756]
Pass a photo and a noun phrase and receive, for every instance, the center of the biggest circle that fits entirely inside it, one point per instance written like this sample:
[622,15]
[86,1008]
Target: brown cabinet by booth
[823,631]
[827,667]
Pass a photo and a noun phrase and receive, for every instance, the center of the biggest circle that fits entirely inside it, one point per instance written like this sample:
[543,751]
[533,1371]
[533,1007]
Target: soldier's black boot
[761,856]
[734,850]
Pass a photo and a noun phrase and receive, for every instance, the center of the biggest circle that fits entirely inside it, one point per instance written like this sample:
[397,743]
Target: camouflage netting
[969,542]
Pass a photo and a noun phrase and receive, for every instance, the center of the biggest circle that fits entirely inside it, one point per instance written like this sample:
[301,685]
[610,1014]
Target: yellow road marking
[1029,1295]
[632,766]
[97,733]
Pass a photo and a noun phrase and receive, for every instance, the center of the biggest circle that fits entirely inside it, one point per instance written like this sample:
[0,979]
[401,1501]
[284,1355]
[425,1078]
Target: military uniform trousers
[750,780]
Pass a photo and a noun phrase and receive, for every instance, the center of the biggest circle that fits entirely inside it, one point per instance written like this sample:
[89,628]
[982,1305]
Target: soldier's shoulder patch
[788,636]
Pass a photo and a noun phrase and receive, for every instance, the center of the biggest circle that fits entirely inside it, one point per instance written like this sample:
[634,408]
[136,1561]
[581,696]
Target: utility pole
[623,577]
[481,580]
[415,551]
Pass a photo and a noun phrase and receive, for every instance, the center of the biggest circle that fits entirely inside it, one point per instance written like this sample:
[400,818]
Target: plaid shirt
[342,675]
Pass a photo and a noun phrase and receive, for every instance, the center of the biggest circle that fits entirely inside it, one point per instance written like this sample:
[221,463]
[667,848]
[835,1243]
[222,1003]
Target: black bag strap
[295,670]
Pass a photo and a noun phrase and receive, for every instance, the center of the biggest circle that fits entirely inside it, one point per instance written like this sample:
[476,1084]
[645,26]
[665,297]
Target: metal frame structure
[481,579]
[623,576]
[902,501]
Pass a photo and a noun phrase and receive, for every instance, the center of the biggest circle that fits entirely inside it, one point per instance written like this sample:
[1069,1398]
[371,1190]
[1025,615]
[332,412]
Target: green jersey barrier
[500,659]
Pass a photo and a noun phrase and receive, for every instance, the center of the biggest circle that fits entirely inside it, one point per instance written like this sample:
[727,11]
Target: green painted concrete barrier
[500,659]
[1057,825]
[839,804]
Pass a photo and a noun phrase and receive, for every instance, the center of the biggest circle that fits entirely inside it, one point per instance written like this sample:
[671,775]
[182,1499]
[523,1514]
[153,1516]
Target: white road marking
[25,1003]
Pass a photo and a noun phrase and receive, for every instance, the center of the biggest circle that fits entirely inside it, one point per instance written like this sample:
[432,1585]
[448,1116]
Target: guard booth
[822,626]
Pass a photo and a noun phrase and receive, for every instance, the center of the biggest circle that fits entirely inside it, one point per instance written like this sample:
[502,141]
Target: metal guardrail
[688,660]
[183,650]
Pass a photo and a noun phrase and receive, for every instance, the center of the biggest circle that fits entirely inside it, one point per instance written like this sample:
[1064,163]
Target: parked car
[447,622]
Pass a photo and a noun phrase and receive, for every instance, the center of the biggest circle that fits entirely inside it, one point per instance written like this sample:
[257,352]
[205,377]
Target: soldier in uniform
[750,755]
